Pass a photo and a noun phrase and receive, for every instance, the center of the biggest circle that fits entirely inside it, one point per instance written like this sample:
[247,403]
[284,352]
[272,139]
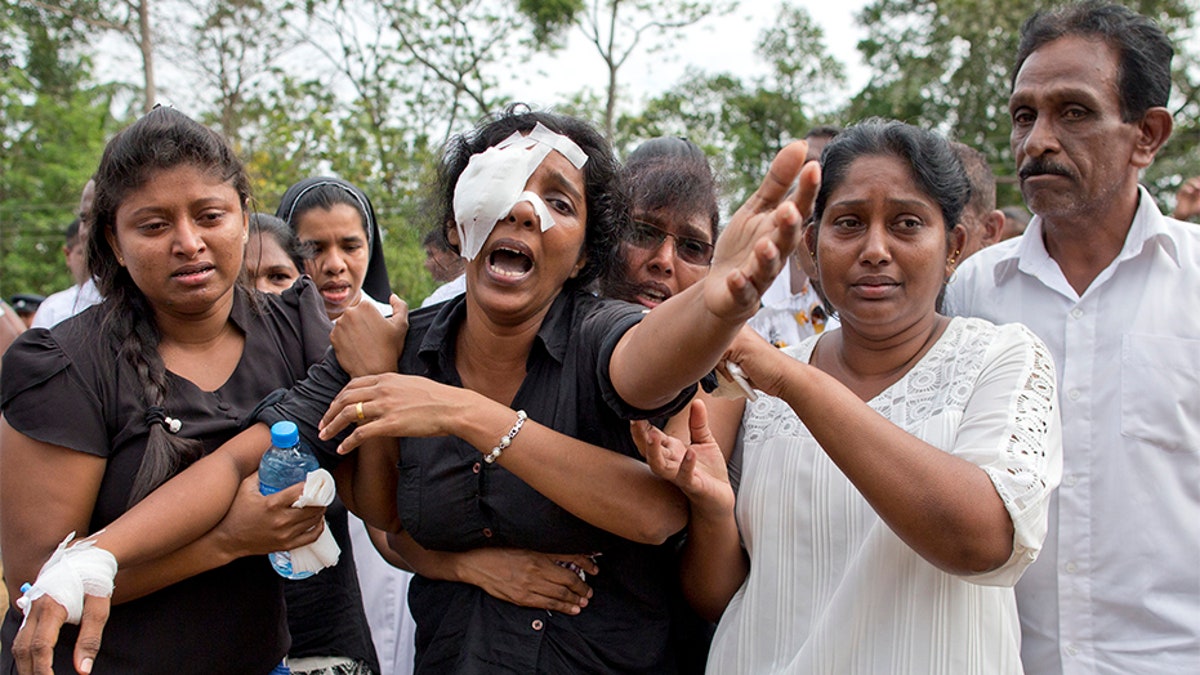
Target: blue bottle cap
[284,434]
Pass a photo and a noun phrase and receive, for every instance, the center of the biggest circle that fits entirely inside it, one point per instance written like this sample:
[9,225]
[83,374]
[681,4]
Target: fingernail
[86,665]
[574,610]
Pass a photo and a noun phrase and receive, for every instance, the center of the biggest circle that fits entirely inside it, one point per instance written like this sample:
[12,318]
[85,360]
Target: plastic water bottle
[285,464]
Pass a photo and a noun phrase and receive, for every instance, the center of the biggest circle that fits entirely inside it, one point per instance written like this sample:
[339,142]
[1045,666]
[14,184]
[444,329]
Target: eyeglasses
[689,250]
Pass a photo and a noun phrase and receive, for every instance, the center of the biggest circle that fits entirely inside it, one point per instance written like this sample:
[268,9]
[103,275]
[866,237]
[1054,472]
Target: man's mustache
[1042,167]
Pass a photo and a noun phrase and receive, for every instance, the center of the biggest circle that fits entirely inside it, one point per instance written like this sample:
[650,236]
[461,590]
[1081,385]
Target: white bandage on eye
[494,182]
[70,574]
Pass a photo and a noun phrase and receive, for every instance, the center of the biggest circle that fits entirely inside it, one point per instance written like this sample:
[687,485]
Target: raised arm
[682,339]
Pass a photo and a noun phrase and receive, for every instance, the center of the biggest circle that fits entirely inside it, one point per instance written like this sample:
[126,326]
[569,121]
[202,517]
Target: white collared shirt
[66,304]
[1117,587]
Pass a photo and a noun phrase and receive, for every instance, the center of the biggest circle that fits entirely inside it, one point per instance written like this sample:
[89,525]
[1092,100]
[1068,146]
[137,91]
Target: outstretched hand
[753,248]
[696,465]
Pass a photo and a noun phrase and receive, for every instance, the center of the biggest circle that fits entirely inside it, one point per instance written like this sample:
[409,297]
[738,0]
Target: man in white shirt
[83,294]
[1110,285]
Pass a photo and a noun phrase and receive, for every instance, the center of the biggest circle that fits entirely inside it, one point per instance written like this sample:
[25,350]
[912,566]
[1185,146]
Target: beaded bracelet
[506,440]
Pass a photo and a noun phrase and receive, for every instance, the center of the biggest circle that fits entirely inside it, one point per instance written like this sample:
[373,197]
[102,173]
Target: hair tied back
[158,415]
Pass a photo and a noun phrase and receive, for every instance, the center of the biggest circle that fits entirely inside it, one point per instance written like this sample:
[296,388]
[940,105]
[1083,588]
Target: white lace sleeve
[1011,429]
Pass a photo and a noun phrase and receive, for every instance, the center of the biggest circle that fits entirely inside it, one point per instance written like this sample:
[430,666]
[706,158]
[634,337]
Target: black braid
[130,319]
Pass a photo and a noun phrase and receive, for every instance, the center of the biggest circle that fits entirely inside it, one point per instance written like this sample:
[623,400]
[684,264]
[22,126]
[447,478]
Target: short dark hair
[983,181]
[660,179]
[604,190]
[1143,51]
[935,167]
[823,131]
[266,224]
[664,174]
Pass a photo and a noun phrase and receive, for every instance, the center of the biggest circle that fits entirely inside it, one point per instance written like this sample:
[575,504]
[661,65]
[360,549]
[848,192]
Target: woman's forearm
[614,492]
[374,478]
[188,506]
[714,565]
[944,507]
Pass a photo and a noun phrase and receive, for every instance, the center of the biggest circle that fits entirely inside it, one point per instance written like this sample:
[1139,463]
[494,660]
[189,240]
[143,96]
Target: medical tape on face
[70,574]
[494,182]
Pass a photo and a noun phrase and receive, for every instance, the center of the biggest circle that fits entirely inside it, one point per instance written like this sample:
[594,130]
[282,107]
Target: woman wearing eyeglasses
[674,208]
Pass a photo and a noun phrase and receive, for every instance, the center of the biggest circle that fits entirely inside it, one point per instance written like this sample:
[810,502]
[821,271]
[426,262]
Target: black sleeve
[606,327]
[40,382]
[305,404]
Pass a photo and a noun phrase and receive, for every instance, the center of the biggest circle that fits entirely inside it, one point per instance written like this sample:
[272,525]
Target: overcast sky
[721,44]
[717,44]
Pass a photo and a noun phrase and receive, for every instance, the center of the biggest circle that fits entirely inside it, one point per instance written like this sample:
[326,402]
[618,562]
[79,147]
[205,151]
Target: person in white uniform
[896,479]
[1110,284]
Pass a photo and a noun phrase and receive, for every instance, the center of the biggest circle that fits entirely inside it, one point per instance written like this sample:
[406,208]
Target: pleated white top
[831,588]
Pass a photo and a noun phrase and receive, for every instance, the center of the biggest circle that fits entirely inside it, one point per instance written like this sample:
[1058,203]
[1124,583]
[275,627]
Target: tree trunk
[146,45]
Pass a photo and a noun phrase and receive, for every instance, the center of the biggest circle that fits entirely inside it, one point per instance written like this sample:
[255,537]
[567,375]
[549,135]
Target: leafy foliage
[946,64]
[52,131]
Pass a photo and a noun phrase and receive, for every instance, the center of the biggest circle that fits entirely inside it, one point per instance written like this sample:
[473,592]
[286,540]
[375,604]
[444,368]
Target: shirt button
[487,532]
[1073,394]
[476,468]
[537,624]
[1072,568]
[1070,481]
[1072,650]
[223,406]
[1076,313]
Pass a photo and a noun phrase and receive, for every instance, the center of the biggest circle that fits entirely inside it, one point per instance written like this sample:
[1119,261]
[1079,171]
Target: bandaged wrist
[70,574]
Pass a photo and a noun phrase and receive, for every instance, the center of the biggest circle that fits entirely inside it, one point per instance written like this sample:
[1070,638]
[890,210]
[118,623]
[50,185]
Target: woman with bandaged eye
[506,423]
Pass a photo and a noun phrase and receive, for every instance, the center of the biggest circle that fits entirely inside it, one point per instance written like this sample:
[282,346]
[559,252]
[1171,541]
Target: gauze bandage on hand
[71,573]
[319,490]
[494,182]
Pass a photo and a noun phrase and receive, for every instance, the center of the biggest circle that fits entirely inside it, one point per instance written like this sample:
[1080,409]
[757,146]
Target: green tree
[132,19]
[946,64]
[743,124]
[54,124]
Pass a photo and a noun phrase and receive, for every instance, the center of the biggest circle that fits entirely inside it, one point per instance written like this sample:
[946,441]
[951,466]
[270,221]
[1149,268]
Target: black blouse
[66,387]
[449,499]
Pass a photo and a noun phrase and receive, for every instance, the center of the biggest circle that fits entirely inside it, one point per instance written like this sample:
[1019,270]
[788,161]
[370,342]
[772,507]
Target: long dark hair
[162,139]
[607,201]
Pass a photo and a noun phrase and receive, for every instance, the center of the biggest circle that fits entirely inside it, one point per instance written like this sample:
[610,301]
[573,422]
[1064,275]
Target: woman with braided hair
[106,406]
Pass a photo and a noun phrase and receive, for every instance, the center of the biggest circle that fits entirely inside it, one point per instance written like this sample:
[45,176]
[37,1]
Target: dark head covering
[375,282]
[26,303]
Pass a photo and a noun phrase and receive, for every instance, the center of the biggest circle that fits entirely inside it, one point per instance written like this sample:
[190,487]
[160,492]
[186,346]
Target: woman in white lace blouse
[895,481]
